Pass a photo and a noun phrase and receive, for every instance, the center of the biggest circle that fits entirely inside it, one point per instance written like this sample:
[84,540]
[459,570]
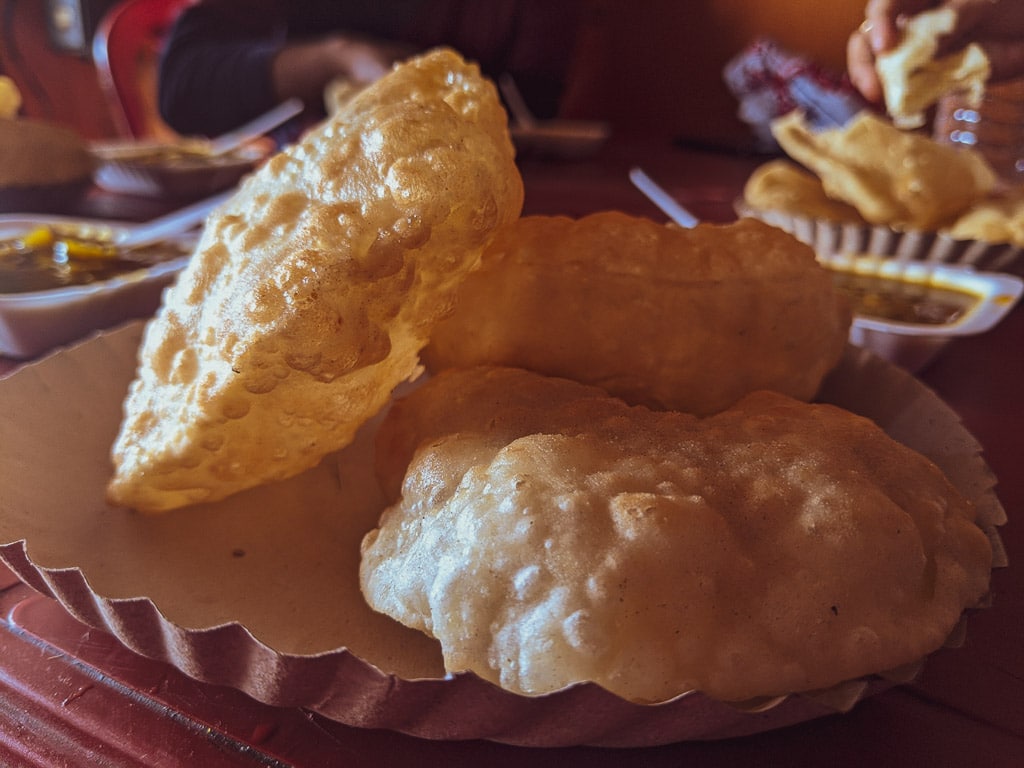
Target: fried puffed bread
[993,220]
[913,79]
[782,185]
[895,178]
[313,289]
[685,319]
[548,535]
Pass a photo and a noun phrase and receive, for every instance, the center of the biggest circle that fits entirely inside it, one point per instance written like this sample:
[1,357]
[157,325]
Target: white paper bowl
[913,345]
[991,271]
[34,322]
[832,237]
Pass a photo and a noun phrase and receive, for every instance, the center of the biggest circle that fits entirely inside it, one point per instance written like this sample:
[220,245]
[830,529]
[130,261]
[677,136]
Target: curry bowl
[50,297]
[906,311]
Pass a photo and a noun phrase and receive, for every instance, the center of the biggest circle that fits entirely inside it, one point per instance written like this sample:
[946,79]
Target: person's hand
[305,69]
[358,61]
[996,25]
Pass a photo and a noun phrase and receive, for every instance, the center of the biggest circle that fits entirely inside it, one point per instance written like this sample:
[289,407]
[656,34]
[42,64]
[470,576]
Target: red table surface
[73,695]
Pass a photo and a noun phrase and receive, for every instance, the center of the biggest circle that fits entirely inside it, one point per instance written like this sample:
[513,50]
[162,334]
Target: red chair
[125,50]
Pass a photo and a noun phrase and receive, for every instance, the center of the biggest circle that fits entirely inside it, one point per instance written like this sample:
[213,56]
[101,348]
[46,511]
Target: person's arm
[215,66]
[304,69]
[996,25]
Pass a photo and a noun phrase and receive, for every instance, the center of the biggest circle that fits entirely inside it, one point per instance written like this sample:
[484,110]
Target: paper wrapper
[260,591]
[829,237]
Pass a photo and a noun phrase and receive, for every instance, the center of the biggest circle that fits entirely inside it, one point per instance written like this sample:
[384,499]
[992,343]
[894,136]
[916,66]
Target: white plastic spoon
[255,127]
[516,103]
[662,199]
[170,224]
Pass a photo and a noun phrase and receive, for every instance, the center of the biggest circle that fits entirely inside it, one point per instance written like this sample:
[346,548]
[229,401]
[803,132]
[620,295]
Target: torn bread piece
[313,289]
[913,79]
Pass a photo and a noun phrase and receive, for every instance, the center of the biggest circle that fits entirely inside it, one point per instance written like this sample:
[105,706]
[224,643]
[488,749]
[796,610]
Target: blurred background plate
[169,170]
[32,322]
[563,139]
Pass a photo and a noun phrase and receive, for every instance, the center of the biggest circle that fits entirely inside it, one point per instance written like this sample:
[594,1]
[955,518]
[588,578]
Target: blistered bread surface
[547,538]
[313,289]
[685,319]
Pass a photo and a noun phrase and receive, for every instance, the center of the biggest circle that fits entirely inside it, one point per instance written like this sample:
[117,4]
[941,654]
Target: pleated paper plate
[260,591]
[835,237]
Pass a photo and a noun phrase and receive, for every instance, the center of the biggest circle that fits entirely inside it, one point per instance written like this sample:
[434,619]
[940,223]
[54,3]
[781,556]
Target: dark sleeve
[531,40]
[215,67]
[541,51]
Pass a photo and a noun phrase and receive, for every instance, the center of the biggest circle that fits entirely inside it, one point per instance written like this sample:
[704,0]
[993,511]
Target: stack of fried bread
[717,532]
[870,172]
[879,170]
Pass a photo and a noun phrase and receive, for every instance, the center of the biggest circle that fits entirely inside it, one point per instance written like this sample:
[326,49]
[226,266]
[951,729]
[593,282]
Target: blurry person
[227,61]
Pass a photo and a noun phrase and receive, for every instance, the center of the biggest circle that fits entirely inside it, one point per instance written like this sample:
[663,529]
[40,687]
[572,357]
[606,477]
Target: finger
[861,68]
[879,27]
[884,19]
